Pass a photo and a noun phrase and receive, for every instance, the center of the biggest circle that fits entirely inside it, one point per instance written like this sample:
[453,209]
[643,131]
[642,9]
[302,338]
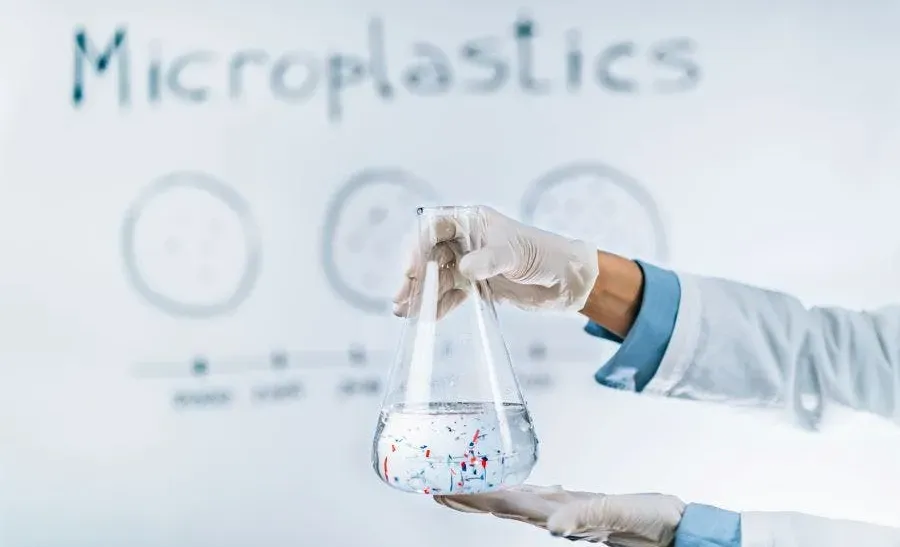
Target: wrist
[615,298]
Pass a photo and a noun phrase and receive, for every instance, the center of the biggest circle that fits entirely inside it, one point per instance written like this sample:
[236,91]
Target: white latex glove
[528,267]
[629,520]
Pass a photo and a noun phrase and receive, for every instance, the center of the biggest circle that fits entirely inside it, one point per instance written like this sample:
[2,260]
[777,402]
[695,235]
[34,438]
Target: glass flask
[453,420]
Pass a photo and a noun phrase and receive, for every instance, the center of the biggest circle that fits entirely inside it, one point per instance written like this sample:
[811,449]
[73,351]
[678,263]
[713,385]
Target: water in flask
[454,420]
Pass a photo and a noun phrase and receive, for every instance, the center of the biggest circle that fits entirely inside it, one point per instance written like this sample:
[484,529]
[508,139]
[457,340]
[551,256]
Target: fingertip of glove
[463,504]
[559,532]
[443,501]
[560,523]
[399,310]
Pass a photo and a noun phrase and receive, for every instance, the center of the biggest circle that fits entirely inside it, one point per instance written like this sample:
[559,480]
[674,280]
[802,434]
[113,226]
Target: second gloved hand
[528,267]
[629,520]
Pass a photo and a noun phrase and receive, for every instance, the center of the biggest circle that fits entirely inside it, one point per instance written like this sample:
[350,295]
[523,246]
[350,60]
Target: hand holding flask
[530,268]
[454,420]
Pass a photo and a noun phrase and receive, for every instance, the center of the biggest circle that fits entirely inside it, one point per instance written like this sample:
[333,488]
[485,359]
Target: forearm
[615,300]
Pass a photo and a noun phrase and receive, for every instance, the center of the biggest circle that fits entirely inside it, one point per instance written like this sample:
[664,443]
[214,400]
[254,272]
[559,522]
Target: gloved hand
[630,520]
[527,267]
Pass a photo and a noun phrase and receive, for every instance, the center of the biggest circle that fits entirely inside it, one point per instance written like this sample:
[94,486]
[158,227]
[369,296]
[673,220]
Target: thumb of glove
[488,262]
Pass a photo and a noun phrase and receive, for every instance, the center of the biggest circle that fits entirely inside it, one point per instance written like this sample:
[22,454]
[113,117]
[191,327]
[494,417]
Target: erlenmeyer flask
[453,420]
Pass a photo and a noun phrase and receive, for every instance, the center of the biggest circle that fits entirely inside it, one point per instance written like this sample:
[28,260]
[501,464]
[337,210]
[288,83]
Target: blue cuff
[707,526]
[638,359]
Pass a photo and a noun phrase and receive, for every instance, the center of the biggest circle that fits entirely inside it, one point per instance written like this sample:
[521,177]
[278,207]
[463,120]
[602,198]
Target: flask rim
[446,210]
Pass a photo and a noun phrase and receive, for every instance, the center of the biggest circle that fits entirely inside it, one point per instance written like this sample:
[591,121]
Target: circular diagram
[597,204]
[364,224]
[190,245]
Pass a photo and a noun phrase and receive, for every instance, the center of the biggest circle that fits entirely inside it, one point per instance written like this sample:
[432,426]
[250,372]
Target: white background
[776,169]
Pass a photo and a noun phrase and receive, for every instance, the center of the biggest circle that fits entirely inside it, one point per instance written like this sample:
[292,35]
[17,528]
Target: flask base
[454,448]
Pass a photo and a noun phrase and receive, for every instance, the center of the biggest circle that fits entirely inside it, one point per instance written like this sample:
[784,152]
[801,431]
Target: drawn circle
[190,246]
[600,205]
[361,237]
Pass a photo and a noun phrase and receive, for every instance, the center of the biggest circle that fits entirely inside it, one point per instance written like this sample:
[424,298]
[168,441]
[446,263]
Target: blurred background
[201,208]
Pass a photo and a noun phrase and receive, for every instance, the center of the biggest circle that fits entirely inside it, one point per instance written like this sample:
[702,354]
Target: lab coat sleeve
[799,530]
[741,344]
[707,526]
[641,352]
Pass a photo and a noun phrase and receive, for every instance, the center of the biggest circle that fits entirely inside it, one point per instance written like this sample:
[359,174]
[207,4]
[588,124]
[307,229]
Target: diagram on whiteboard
[190,246]
[364,223]
[600,205]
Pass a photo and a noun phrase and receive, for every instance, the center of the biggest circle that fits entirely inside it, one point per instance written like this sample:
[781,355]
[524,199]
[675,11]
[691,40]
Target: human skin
[615,298]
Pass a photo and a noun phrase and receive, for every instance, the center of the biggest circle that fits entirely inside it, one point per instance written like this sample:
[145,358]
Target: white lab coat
[740,344]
